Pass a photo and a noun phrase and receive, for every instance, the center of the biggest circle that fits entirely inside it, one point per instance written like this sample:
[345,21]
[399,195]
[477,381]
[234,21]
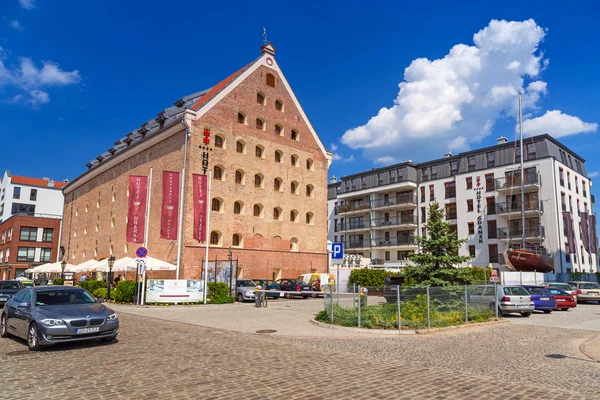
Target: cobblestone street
[161,359]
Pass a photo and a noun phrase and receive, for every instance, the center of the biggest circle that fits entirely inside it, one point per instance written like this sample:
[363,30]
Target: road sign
[141,252]
[494,277]
[337,250]
[141,265]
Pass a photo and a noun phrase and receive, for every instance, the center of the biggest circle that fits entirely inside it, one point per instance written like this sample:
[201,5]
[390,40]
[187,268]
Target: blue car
[542,298]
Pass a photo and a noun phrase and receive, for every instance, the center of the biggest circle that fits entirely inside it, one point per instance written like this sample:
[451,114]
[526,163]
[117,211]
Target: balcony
[516,234]
[406,220]
[357,244]
[513,183]
[352,226]
[395,241]
[355,207]
[406,201]
[450,194]
[512,210]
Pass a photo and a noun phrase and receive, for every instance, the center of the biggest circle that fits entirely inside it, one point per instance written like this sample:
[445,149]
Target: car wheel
[240,298]
[314,295]
[526,314]
[305,297]
[287,295]
[33,338]
[547,311]
[108,339]
[4,327]
[565,309]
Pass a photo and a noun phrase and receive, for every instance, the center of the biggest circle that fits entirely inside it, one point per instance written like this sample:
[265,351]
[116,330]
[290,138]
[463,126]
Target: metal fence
[398,307]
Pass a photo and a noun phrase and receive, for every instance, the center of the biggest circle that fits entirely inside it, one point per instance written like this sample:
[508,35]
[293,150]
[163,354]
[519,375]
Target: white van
[317,281]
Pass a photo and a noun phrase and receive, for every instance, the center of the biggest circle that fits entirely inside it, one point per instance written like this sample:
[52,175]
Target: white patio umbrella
[53,267]
[122,264]
[154,264]
[84,265]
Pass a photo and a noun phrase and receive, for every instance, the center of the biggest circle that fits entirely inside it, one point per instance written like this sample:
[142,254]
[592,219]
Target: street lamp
[63,265]
[111,263]
[230,257]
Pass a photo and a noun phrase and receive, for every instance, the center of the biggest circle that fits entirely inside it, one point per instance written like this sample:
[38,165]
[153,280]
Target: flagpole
[208,211]
[181,198]
[148,198]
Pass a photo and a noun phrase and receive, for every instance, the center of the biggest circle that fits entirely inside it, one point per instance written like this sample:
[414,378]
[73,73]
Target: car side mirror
[101,300]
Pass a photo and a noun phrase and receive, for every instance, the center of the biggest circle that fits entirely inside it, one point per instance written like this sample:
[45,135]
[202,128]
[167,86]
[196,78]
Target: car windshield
[515,291]
[562,286]
[63,297]
[27,284]
[557,291]
[589,286]
[297,282]
[538,290]
[246,283]
[9,285]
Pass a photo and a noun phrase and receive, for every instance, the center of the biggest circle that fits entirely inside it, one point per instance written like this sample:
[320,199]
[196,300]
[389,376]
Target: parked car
[48,315]
[390,293]
[244,290]
[509,299]
[8,289]
[542,298]
[294,285]
[317,281]
[267,284]
[586,291]
[562,286]
[564,300]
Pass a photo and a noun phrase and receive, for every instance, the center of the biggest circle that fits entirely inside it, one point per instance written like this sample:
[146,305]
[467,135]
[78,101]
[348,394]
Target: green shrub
[369,277]
[100,293]
[92,285]
[218,293]
[58,281]
[124,293]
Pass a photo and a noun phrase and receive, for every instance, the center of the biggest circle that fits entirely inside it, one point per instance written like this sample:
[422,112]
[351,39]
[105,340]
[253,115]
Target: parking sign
[337,252]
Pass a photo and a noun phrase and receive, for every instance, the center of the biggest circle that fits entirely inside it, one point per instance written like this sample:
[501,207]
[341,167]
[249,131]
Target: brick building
[269,187]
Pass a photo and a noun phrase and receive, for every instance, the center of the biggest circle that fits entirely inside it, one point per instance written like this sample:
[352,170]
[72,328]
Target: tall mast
[522,169]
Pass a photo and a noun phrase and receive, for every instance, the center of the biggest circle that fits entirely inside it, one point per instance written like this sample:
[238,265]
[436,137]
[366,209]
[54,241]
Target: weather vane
[265,35]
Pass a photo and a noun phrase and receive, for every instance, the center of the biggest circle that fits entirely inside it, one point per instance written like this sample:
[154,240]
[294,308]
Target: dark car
[390,291]
[294,285]
[542,298]
[8,289]
[267,284]
[48,315]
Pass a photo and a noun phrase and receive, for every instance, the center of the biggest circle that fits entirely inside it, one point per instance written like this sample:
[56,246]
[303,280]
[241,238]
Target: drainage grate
[266,331]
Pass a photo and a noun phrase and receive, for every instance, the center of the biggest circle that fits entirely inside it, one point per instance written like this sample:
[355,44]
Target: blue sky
[76,76]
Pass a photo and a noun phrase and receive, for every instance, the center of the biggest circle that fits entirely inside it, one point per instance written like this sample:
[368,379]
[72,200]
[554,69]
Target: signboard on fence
[494,277]
[174,291]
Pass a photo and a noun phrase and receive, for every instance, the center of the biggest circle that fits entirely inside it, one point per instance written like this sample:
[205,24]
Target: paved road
[160,359]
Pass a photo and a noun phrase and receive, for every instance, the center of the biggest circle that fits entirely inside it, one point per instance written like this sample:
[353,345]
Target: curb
[407,331]
[585,348]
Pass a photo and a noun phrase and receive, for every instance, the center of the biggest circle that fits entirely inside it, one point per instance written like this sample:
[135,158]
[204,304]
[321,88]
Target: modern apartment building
[30,221]
[268,188]
[377,213]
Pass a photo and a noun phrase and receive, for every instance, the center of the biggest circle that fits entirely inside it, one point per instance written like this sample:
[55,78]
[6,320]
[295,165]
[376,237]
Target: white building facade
[377,213]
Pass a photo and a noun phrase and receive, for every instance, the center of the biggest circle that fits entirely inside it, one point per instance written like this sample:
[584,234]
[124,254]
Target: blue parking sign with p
[337,250]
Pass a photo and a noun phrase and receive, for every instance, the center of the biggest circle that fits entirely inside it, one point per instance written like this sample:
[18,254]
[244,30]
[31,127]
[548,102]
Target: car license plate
[82,331]
[560,300]
[306,288]
[545,298]
[593,293]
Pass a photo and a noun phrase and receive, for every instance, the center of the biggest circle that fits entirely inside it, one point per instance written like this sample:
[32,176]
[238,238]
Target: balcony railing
[392,201]
[511,233]
[515,207]
[515,181]
[395,241]
[394,221]
[363,205]
[357,244]
[350,226]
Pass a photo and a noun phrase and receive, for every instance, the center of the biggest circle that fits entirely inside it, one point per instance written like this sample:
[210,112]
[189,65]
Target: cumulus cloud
[338,158]
[16,24]
[27,4]
[593,174]
[557,124]
[29,80]
[455,101]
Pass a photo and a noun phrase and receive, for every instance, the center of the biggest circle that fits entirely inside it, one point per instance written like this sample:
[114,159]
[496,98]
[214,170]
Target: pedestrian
[388,279]
[82,278]
[117,279]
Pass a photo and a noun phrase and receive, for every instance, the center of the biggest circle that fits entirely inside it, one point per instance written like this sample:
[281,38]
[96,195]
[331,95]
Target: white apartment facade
[377,213]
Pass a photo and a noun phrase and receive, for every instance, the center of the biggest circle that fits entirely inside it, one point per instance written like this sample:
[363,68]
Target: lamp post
[230,257]
[63,265]
[111,262]
[8,272]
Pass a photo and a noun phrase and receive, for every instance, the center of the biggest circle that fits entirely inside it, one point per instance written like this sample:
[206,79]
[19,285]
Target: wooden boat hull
[528,261]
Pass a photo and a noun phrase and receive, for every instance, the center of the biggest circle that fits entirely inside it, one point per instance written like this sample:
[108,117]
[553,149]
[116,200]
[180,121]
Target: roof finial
[265,35]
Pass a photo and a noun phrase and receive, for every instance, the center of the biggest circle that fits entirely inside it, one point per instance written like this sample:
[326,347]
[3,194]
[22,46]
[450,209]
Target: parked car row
[246,288]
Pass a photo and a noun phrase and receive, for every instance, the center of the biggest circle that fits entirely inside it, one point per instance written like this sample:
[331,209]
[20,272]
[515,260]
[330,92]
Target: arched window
[278,129]
[259,151]
[239,147]
[278,156]
[114,197]
[295,135]
[260,98]
[236,240]
[258,180]
[260,124]
[239,177]
[310,164]
[217,172]
[294,160]
[216,204]
[271,80]
[237,207]
[309,190]
[241,118]
[276,213]
[277,184]
[294,216]
[309,218]
[279,105]
[215,238]
[257,210]
[294,187]
[219,141]
[293,244]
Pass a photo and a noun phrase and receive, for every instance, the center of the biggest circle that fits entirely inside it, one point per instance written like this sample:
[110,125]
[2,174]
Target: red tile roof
[23,180]
[218,87]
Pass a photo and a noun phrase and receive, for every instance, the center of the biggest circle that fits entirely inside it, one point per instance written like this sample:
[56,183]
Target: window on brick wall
[270,80]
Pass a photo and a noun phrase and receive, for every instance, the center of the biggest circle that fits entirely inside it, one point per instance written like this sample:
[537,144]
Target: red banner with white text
[170,205]
[200,206]
[136,213]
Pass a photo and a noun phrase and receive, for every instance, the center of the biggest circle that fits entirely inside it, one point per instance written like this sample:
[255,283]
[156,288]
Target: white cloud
[454,101]
[27,4]
[593,174]
[557,124]
[333,147]
[15,24]
[28,79]
[385,160]
[338,158]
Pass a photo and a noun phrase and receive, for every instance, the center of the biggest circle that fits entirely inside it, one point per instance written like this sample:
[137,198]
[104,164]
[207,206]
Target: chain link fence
[398,307]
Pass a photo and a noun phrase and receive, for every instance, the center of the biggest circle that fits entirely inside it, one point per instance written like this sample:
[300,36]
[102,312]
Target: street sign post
[494,277]
[337,253]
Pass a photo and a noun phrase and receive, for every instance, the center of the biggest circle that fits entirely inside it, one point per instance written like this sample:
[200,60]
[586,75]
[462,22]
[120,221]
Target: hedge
[100,293]
[218,293]
[369,277]
[124,292]
[91,285]
[58,281]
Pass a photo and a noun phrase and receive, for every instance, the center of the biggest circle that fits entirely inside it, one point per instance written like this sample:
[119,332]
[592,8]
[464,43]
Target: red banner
[136,214]
[200,206]
[170,205]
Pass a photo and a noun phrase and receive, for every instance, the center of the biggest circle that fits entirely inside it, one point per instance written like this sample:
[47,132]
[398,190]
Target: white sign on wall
[174,291]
